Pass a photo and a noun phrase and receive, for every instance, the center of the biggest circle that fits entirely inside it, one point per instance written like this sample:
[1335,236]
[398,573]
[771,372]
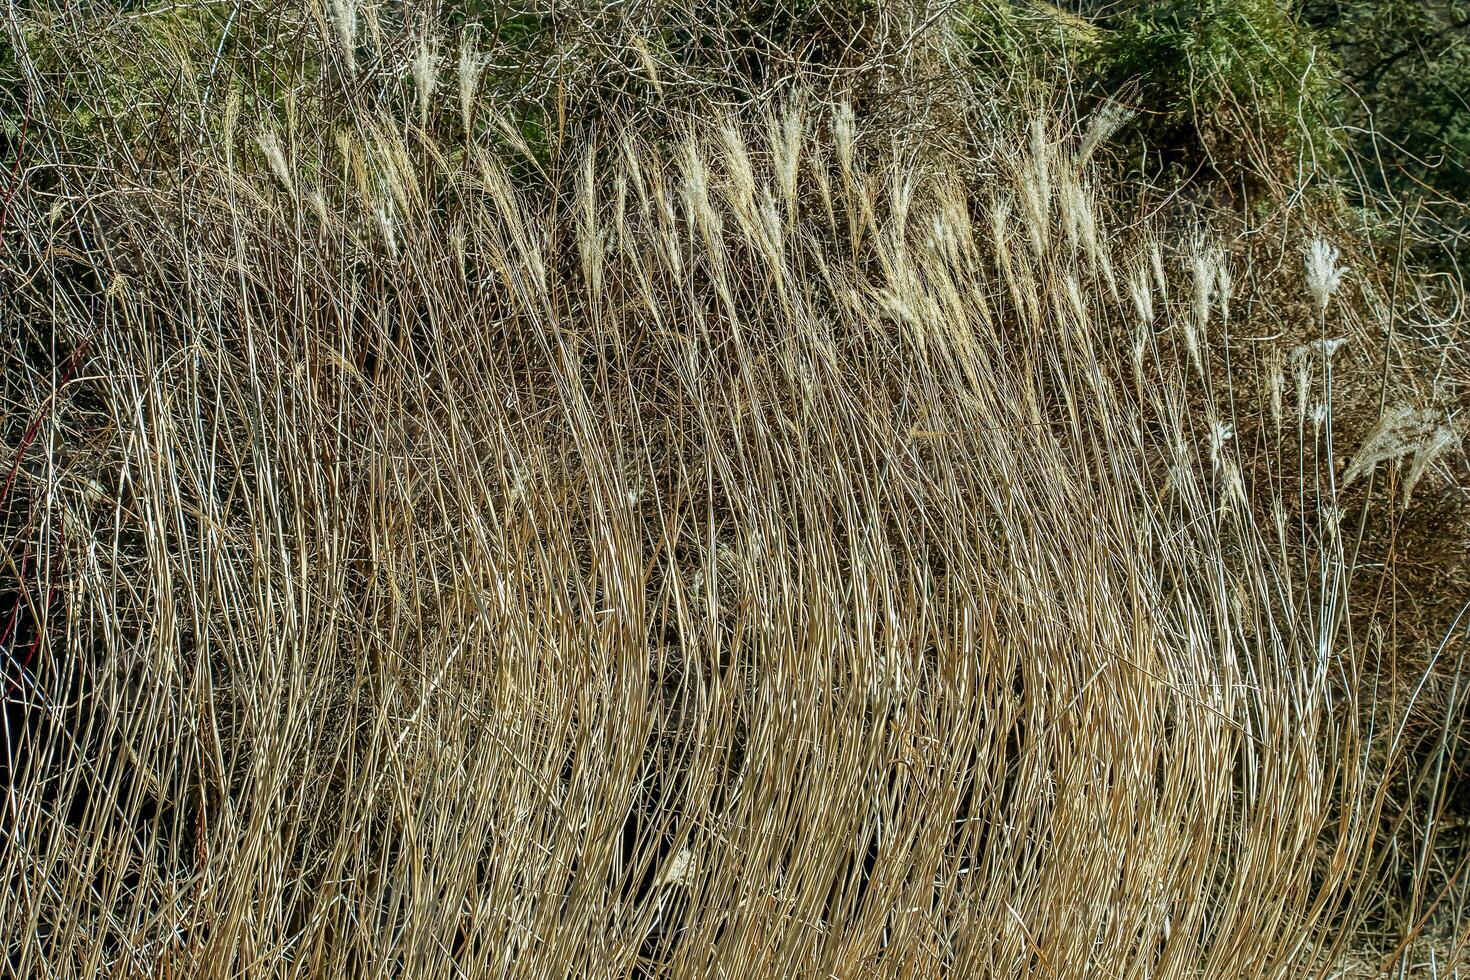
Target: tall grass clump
[757,545]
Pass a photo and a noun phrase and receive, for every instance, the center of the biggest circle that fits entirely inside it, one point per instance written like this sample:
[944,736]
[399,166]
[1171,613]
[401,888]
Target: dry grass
[759,551]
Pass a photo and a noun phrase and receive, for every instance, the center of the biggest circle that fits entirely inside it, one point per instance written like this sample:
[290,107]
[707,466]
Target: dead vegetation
[754,546]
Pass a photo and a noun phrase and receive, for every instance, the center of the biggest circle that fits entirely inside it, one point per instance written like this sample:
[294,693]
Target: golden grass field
[752,546]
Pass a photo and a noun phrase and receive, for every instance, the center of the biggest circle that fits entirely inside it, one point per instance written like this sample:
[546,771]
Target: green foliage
[1232,85]
[1009,39]
[108,81]
[1407,62]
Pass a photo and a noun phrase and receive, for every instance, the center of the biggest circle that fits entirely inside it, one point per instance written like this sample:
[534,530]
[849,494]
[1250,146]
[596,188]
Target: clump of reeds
[756,553]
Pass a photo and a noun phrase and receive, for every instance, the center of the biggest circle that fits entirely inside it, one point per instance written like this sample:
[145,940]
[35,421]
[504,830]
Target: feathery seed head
[1303,372]
[318,203]
[1000,215]
[1072,206]
[1219,434]
[275,156]
[696,183]
[844,129]
[459,243]
[786,137]
[1324,275]
[1091,243]
[1156,262]
[471,64]
[741,173]
[1203,264]
[1142,295]
[425,68]
[1040,162]
[384,212]
[230,121]
[1445,436]
[344,17]
[620,205]
[639,44]
[1036,199]
[1235,484]
[1402,431]
[1106,121]
[1275,381]
[1075,300]
[1203,278]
